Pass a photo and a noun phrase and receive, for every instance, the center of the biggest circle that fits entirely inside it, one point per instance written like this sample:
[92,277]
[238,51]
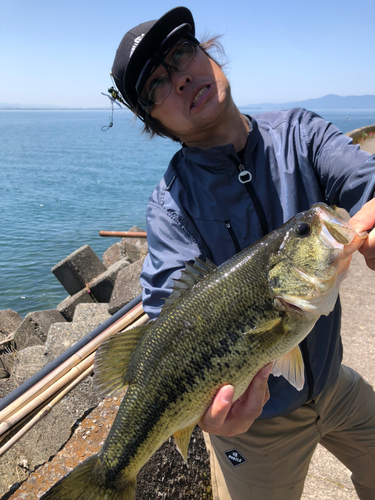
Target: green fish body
[220,326]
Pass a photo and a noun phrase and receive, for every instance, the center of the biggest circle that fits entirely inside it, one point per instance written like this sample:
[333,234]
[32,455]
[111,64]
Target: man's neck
[233,128]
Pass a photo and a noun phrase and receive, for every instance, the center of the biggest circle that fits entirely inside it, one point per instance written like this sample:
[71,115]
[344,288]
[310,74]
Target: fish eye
[302,229]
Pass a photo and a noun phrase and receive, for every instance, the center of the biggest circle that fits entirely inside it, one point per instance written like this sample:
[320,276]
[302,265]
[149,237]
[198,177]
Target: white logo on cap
[136,42]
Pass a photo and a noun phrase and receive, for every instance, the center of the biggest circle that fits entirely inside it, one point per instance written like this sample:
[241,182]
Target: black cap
[141,44]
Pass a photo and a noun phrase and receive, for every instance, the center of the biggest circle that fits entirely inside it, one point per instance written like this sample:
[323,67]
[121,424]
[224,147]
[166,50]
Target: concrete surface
[369,145]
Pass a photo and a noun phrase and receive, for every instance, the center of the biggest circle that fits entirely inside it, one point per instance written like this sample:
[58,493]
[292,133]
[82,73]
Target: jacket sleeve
[346,173]
[170,246]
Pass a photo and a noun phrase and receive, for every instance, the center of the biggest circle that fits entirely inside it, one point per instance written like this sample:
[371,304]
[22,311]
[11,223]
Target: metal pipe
[124,234]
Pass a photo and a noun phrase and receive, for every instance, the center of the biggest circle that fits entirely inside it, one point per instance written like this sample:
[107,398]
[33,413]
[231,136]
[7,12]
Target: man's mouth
[199,95]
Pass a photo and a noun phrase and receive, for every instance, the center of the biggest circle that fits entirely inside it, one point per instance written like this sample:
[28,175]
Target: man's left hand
[364,220]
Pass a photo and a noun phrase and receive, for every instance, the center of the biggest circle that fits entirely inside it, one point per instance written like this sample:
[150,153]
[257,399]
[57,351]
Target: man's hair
[153,126]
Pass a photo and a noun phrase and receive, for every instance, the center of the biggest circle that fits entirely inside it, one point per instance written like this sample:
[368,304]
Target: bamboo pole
[43,412]
[124,234]
[61,370]
[41,398]
[51,389]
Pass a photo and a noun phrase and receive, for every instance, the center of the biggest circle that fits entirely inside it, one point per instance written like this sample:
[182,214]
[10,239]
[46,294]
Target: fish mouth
[337,233]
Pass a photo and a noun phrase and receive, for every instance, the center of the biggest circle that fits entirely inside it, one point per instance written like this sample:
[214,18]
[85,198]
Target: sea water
[62,180]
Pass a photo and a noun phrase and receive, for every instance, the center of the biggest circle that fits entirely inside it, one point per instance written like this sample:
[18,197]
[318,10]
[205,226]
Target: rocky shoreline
[97,289]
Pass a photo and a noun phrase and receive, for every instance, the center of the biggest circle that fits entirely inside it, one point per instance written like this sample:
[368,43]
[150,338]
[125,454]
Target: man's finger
[219,409]
[257,394]
[364,219]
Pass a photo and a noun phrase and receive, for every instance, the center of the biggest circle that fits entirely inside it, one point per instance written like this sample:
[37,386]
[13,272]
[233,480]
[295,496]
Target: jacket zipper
[233,236]
[245,178]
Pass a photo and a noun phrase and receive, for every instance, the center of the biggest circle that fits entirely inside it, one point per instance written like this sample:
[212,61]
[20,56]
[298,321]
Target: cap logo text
[136,42]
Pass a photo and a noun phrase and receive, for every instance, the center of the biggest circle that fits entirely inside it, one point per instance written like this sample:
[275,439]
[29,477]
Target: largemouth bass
[220,326]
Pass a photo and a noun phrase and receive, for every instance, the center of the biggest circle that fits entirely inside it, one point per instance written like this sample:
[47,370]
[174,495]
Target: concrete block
[9,322]
[127,286]
[61,336]
[28,362]
[7,385]
[112,254]
[101,287]
[86,312]
[130,248]
[68,305]
[78,269]
[34,328]
[7,360]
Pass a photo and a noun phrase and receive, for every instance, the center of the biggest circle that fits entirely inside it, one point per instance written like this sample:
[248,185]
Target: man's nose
[180,79]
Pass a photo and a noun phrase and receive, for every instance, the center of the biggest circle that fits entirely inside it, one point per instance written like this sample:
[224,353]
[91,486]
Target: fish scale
[219,326]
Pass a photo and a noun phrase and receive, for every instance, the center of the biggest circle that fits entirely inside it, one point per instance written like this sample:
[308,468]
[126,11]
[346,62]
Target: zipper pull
[244,176]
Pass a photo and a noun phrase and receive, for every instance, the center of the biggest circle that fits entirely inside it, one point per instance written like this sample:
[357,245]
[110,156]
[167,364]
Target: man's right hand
[225,418]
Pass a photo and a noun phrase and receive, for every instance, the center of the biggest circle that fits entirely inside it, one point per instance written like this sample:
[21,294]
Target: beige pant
[278,451]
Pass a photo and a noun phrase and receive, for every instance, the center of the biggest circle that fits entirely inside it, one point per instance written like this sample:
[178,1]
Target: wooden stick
[43,412]
[37,401]
[51,389]
[124,234]
[61,370]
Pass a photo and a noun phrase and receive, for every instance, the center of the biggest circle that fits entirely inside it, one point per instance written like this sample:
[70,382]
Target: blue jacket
[201,209]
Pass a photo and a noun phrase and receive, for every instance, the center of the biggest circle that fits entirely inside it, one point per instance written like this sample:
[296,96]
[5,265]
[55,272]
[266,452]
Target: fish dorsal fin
[182,440]
[291,367]
[112,360]
[191,275]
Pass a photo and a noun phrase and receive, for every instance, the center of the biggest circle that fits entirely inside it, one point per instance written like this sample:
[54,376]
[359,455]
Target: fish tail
[90,481]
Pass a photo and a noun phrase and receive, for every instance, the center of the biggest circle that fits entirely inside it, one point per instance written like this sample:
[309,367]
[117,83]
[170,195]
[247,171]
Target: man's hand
[225,418]
[364,220]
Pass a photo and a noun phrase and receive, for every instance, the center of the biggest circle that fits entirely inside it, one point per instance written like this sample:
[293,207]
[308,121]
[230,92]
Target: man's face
[199,95]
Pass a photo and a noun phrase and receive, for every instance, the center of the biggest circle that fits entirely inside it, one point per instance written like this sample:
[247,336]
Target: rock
[9,322]
[28,362]
[127,286]
[68,305]
[34,328]
[78,269]
[101,287]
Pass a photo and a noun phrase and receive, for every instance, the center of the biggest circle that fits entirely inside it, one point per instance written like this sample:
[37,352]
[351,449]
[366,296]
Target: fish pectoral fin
[274,326]
[182,440]
[112,360]
[291,367]
[265,335]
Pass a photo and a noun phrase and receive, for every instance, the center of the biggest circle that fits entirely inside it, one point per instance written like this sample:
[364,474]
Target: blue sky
[61,52]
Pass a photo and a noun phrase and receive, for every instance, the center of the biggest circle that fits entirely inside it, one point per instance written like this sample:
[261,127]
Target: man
[235,179]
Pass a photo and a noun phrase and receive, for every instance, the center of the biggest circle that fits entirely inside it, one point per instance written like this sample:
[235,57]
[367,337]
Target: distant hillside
[330,101]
